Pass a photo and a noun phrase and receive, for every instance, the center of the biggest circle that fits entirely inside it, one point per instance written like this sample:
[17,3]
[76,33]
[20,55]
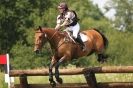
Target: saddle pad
[83,37]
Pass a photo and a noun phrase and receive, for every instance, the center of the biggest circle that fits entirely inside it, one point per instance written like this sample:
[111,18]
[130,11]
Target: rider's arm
[57,27]
[66,22]
[68,18]
[58,21]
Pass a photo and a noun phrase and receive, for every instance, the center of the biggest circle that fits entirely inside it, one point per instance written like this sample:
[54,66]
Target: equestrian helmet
[62,5]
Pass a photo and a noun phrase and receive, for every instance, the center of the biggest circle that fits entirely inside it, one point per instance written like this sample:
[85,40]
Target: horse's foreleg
[58,79]
[52,82]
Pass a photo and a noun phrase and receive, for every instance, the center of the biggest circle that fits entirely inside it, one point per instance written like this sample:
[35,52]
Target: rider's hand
[58,28]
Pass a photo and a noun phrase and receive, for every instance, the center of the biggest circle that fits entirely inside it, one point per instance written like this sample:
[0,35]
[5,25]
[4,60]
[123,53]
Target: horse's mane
[44,28]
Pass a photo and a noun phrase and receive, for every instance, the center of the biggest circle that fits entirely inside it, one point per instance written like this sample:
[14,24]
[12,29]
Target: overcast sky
[101,4]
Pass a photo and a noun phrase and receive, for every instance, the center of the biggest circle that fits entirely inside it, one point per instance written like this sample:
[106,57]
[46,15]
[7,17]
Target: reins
[52,38]
[53,35]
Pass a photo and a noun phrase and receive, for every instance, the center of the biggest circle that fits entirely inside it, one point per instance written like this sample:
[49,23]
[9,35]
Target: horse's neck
[53,37]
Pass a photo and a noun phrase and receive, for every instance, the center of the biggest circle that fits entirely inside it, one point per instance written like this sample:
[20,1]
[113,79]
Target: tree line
[19,18]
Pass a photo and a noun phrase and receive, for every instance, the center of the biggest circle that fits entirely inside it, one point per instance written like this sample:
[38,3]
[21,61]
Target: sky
[101,4]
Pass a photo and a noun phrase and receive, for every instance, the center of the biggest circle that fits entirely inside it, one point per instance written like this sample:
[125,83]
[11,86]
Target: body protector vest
[71,16]
[75,19]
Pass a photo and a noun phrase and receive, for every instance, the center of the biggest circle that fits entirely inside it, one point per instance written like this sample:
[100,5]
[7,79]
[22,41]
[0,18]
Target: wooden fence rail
[89,74]
[75,71]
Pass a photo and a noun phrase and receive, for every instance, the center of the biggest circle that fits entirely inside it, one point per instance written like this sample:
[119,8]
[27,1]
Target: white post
[8,70]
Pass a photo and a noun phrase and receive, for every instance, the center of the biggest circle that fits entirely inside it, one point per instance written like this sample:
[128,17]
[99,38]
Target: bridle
[50,38]
[46,35]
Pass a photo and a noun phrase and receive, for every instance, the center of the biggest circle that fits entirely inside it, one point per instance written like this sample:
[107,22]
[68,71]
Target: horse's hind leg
[100,51]
[102,58]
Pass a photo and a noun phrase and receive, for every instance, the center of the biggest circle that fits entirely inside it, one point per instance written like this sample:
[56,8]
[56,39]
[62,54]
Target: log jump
[89,74]
[74,71]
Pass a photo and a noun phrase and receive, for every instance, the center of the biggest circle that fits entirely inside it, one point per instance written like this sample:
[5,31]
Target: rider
[68,19]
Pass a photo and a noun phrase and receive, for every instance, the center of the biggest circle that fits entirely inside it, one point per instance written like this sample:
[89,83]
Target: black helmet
[63,5]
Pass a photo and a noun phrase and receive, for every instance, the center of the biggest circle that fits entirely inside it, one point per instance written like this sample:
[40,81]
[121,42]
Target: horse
[64,49]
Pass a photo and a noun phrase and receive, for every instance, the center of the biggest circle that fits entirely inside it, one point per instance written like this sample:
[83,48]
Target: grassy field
[74,79]
[81,79]
[2,81]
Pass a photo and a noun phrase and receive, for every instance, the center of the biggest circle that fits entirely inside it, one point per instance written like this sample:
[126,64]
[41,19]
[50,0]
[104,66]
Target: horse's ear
[40,28]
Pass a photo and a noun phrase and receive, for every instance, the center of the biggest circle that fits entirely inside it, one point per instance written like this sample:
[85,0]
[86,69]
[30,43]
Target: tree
[124,13]
[15,17]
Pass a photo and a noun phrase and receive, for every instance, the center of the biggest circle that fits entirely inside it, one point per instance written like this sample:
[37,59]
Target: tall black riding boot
[78,39]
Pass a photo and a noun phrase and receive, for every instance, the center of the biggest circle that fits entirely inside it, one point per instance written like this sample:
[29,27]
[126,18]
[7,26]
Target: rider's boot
[78,39]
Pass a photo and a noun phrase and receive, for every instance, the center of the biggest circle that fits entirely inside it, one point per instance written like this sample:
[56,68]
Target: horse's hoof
[102,61]
[59,80]
[53,84]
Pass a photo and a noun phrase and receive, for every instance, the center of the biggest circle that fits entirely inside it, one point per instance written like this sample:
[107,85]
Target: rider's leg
[75,30]
[77,37]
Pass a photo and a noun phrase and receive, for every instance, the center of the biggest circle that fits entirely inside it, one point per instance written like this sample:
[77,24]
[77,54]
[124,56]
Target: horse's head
[40,38]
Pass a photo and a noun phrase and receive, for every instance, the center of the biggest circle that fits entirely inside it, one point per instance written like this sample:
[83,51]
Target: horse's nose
[37,51]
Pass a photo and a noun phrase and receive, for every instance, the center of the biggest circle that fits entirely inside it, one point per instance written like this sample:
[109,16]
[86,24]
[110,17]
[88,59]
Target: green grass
[2,81]
[112,77]
[123,77]
[45,79]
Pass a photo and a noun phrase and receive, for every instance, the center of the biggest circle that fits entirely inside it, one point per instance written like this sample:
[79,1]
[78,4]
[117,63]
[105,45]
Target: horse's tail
[106,42]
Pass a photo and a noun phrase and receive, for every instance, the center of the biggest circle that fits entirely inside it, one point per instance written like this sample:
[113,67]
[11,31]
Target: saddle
[81,38]
[69,37]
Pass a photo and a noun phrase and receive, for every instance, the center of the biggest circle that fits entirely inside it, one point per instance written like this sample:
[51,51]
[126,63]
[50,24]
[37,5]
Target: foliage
[16,16]
[124,13]
[19,18]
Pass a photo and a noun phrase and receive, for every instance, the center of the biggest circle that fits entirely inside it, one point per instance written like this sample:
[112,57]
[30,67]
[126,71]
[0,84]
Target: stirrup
[83,48]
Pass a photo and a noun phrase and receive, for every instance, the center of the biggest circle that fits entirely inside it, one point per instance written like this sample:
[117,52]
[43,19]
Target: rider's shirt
[69,16]
[70,21]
